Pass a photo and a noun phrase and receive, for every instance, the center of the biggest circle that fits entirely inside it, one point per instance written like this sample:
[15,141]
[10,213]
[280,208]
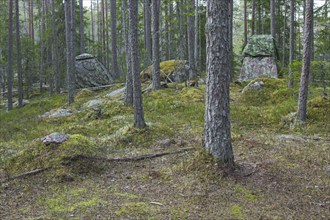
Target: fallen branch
[136,158]
[29,173]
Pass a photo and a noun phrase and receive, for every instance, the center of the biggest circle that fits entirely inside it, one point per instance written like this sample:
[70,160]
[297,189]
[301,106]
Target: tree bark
[56,54]
[69,49]
[81,27]
[217,135]
[19,60]
[114,38]
[253,15]
[42,45]
[245,23]
[191,40]
[291,52]
[129,79]
[181,28]
[155,48]
[10,57]
[147,31]
[272,18]
[284,36]
[196,36]
[308,36]
[137,93]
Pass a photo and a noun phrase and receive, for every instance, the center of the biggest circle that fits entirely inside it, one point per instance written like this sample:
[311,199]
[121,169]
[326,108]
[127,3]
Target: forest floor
[280,173]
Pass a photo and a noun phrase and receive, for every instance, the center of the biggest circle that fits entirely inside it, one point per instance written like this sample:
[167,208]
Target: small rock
[327,170]
[24,102]
[256,86]
[94,103]
[54,138]
[117,92]
[58,113]
[166,142]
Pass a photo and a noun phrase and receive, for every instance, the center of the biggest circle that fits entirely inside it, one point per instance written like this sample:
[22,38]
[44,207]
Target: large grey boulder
[259,58]
[90,72]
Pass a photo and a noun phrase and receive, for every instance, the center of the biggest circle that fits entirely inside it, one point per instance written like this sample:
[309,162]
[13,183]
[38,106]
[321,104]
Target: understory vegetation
[282,170]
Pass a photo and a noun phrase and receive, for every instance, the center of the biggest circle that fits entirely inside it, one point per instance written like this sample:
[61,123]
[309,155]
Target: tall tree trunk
[259,17]
[284,36]
[167,43]
[181,28]
[92,21]
[147,31]
[170,46]
[196,35]
[31,15]
[245,23]
[253,16]
[10,57]
[291,52]
[155,48]
[114,38]
[129,79]
[19,60]
[191,40]
[81,27]
[69,49]
[272,18]
[42,45]
[137,93]
[217,134]
[230,33]
[55,49]
[303,89]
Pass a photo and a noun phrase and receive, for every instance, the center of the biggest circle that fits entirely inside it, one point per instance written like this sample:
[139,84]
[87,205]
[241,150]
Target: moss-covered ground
[281,171]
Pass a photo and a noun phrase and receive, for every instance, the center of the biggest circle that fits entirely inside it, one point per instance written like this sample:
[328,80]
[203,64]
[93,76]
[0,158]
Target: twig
[136,158]
[29,173]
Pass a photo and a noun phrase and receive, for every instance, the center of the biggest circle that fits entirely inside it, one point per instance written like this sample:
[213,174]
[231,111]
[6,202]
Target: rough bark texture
[191,40]
[69,50]
[81,27]
[10,56]
[291,52]
[134,50]
[42,45]
[18,56]
[147,30]
[308,36]
[55,48]
[196,36]
[181,27]
[245,23]
[217,137]
[113,13]
[272,18]
[284,36]
[129,79]
[155,53]
[253,16]
[231,14]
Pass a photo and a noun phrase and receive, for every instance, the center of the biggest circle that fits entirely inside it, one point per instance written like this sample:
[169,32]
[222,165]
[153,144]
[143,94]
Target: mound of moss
[319,109]
[271,91]
[54,157]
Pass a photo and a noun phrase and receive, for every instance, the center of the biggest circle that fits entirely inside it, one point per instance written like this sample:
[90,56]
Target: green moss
[83,94]
[133,209]
[246,193]
[166,67]
[237,212]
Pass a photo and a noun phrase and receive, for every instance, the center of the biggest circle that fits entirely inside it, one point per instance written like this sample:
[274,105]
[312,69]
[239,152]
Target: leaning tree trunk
[308,36]
[19,60]
[129,79]
[134,47]
[291,53]
[217,137]
[155,48]
[10,57]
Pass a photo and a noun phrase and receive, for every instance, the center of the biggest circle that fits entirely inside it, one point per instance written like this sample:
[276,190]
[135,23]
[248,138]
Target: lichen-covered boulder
[260,46]
[258,67]
[90,72]
[259,58]
[54,138]
[170,71]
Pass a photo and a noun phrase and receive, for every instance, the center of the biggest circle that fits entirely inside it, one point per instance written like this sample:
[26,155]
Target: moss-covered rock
[170,70]
[269,91]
